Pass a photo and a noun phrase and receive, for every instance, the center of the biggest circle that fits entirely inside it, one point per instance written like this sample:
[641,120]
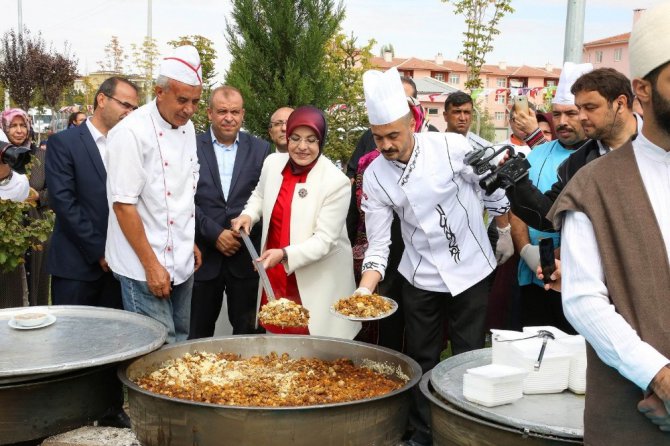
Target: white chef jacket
[585,296]
[437,197]
[155,167]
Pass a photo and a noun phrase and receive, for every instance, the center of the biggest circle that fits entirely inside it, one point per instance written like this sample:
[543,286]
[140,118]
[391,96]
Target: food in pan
[269,381]
[284,313]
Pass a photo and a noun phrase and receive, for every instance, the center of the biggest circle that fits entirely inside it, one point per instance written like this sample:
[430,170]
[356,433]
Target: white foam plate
[50,320]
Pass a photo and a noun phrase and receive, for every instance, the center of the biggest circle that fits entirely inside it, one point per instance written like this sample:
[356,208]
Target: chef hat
[183,66]
[649,45]
[571,71]
[385,97]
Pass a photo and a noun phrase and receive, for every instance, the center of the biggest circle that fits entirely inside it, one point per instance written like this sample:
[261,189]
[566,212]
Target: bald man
[277,128]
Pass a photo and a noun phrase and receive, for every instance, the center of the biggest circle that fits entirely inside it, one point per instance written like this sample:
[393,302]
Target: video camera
[17,157]
[515,168]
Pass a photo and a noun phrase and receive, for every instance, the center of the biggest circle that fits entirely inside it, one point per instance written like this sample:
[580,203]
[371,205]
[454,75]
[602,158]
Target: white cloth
[385,96]
[17,189]
[319,253]
[437,197]
[3,137]
[225,161]
[183,66]
[99,139]
[571,71]
[585,296]
[648,45]
[154,167]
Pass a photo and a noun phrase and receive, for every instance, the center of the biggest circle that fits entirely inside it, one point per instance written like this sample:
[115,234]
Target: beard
[660,106]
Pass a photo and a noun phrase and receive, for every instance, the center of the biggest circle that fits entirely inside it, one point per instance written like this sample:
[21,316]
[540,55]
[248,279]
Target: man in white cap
[537,305]
[616,260]
[152,173]
[447,257]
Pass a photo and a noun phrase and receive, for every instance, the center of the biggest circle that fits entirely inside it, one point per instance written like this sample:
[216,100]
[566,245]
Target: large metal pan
[160,421]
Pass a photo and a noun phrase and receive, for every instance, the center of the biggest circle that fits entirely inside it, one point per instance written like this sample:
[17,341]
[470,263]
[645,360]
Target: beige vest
[611,193]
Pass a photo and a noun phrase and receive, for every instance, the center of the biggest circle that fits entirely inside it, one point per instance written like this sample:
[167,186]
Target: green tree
[145,59]
[482,18]
[207,54]
[482,123]
[347,116]
[115,57]
[278,50]
[57,72]
[388,48]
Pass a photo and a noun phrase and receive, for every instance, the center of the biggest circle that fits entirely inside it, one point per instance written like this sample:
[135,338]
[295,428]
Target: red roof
[619,38]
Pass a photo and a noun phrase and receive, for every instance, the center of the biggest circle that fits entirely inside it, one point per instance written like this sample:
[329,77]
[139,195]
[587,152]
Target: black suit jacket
[214,213]
[77,194]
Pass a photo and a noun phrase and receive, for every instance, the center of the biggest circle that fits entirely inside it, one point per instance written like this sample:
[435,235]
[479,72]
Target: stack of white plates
[493,385]
[577,378]
[558,334]
[553,375]
[501,347]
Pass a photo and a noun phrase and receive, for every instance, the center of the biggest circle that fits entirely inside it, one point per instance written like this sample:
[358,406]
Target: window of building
[407,73]
[500,116]
[454,79]
[551,82]
[617,54]
[438,76]
[433,111]
[501,82]
[599,56]
[500,98]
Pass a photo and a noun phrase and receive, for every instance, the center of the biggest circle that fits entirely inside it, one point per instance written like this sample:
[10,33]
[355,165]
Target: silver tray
[551,414]
[81,337]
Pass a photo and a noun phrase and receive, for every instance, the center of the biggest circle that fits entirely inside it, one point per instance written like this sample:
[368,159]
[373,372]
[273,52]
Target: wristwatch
[284,258]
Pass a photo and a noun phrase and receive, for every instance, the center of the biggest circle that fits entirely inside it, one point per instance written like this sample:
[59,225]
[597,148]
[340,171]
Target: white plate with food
[31,320]
[369,307]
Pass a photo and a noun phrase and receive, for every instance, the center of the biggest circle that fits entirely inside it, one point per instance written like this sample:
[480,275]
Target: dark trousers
[392,328]
[425,315]
[543,307]
[103,292]
[208,298]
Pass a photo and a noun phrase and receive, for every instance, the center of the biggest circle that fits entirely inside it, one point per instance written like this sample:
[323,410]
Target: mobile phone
[547,260]
[521,104]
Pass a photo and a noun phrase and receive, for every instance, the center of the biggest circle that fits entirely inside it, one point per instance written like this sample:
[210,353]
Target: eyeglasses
[125,105]
[310,140]
[277,123]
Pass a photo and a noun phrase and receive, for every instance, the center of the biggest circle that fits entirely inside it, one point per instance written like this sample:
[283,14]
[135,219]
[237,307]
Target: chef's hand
[271,257]
[656,411]
[158,281]
[504,247]
[243,222]
[555,277]
[228,243]
[197,255]
[362,291]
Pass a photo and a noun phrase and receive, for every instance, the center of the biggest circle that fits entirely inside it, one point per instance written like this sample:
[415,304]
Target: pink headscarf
[9,115]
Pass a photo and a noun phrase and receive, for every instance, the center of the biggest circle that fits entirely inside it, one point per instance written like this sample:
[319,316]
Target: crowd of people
[149,218]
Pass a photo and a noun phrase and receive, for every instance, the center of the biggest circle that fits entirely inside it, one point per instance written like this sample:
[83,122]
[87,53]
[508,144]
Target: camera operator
[605,101]
[13,185]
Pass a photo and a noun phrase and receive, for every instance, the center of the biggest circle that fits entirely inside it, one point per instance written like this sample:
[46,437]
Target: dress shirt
[99,139]
[155,167]
[585,296]
[225,159]
[437,197]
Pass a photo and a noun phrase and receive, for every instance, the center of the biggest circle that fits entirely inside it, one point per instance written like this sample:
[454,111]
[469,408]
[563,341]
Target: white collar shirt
[437,197]
[584,291]
[225,160]
[155,167]
[99,139]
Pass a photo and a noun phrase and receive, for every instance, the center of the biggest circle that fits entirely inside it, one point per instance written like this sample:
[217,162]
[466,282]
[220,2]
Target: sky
[532,35]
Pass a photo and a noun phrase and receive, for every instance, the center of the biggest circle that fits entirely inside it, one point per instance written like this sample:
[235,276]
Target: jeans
[173,312]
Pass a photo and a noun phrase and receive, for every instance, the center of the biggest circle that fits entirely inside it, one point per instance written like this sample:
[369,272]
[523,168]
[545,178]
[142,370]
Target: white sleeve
[17,189]
[378,218]
[587,306]
[126,174]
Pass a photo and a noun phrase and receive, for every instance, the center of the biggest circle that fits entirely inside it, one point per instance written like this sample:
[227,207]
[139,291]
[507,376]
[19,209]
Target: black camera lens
[17,157]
